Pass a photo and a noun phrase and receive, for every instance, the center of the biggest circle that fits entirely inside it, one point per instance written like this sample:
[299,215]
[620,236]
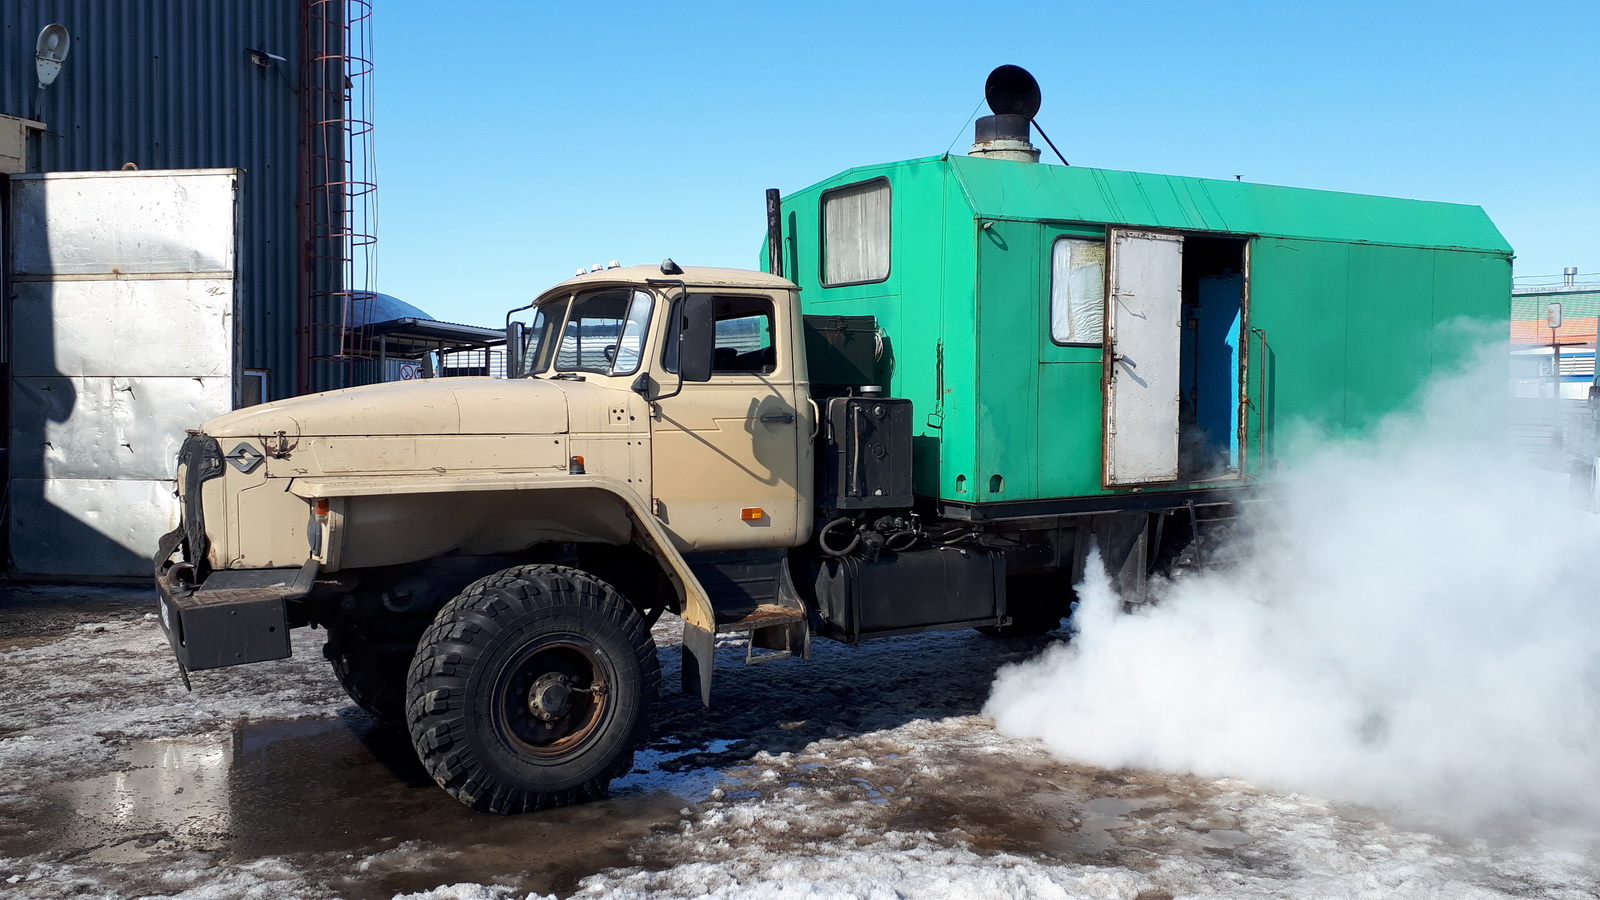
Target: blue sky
[519,141]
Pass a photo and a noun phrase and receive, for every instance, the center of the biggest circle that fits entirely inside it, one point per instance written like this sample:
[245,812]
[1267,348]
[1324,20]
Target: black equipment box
[867,461]
[841,351]
[919,590]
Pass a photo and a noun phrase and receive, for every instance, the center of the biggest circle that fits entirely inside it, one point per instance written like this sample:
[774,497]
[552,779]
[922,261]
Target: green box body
[1345,295]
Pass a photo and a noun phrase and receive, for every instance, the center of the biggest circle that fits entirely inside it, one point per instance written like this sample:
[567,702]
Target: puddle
[661,770]
[346,799]
[1226,838]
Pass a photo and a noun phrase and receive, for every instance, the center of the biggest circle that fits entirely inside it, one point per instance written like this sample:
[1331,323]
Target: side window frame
[769,310]
[822,232]
[1050,291]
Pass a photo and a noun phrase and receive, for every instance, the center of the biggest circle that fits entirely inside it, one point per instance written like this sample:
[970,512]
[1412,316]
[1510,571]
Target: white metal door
[122,336]
[1143,340]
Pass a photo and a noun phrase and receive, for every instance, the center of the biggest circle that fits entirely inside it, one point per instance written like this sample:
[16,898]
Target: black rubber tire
[375,679]
[469,706]
[1036,604]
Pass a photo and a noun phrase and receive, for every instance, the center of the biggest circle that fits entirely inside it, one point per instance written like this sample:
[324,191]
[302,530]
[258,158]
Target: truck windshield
[600,331]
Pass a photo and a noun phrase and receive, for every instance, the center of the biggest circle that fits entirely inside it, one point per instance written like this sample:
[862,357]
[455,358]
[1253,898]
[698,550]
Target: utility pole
[1552,317]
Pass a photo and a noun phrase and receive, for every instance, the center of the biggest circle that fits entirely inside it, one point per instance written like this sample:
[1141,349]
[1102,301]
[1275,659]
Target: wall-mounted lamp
[263,58]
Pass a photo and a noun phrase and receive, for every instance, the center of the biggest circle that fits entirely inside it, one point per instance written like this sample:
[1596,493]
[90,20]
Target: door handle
[785,418]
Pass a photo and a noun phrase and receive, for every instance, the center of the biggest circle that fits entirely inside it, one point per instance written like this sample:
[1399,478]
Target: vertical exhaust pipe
[775,232]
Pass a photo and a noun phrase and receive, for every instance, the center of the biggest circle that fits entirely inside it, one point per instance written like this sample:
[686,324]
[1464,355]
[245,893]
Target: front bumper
[236,616]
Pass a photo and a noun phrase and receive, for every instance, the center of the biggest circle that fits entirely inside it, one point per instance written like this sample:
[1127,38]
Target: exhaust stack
[1013,96]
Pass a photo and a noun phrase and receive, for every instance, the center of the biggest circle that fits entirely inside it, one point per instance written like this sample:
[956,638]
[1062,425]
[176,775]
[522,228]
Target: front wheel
[532,689]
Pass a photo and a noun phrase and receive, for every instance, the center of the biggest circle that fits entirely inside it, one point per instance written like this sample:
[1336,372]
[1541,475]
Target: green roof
[1005,189]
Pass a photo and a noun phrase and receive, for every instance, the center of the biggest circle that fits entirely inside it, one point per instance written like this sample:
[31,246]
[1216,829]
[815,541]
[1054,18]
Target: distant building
[1533,342]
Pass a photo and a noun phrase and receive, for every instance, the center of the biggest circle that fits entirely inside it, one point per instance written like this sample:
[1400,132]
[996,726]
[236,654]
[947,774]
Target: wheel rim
[552,697]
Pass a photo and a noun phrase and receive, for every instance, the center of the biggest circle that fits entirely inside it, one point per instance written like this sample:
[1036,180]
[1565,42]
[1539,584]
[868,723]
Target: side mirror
[697,337]
[514,349]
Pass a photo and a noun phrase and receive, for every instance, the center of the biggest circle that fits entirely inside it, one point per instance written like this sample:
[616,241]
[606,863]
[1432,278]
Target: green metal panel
[1346,295]
[1468,306]
[1388,325]
[1007,373]
[1297,313]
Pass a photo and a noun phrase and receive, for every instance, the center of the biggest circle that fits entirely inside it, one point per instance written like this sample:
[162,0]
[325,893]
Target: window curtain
[855,230]
[1077,291]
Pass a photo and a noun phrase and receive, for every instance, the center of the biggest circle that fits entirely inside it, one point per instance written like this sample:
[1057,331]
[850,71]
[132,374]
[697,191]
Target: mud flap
[1125,549]
[699,648]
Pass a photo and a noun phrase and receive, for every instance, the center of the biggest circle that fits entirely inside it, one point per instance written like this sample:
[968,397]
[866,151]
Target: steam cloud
[1413,620]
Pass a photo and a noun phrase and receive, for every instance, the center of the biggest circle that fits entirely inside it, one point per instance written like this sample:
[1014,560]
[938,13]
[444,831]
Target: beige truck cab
[488,555]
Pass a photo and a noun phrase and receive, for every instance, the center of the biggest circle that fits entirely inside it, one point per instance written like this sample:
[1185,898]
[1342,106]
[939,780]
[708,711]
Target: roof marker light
[613,265]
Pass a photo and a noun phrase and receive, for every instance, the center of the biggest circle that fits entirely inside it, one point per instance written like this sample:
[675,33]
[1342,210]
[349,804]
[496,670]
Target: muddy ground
[861,772]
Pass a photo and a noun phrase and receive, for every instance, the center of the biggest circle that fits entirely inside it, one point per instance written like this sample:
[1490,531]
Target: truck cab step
[762,616]
[776,632]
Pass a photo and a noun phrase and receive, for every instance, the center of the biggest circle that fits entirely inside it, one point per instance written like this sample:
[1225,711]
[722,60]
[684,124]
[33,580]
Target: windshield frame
[543,346]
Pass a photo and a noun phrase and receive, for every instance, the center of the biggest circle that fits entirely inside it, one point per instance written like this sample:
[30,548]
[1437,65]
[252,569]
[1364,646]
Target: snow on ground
[863,772]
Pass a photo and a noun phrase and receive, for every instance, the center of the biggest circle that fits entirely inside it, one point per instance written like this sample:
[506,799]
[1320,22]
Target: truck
[953,376]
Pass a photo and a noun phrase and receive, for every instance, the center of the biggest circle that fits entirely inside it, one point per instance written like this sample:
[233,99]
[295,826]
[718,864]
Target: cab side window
[744,344]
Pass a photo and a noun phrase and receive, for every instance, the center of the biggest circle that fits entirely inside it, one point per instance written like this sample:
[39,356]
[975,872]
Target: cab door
[725,453]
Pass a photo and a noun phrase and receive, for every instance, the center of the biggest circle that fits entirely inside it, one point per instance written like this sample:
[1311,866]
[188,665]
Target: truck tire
[532,689]
[374,678]
[370,646]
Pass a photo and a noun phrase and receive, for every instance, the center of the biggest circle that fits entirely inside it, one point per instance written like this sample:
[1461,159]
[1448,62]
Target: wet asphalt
[333,794]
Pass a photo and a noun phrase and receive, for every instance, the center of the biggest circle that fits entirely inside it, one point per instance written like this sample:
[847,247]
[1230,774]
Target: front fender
[490,514]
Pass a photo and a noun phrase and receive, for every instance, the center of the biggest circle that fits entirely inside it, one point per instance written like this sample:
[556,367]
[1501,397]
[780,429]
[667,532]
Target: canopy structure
[410,337]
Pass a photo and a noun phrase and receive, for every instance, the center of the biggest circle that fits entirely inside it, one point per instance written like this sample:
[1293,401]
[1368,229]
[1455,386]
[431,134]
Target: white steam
[1414,620]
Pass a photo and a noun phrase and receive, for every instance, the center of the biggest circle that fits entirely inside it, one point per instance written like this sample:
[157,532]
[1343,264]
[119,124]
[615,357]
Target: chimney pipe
[1013,96]
[1003,137]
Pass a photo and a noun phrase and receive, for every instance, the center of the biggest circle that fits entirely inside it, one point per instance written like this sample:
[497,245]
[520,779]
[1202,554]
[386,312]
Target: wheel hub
[550,698]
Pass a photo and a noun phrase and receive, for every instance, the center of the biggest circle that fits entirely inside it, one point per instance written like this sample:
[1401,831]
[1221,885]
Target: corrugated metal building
[256,93]
[172,84]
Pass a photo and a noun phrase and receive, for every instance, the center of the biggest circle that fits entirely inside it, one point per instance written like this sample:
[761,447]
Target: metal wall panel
[100,395]
[91,521]
[169,84]
[128,427]
[125,328]
[185,224]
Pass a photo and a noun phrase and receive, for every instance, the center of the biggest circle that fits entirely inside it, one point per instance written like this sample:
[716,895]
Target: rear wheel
[532,689]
